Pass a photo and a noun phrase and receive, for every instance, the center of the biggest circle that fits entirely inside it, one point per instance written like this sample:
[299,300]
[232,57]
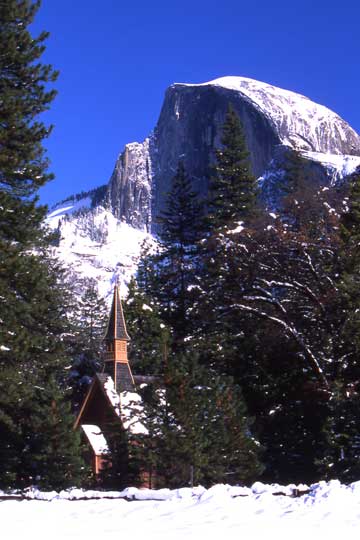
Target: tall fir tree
[33,319]
[148,348]
[168,275]
[232,188]
[88,318]
[232,203]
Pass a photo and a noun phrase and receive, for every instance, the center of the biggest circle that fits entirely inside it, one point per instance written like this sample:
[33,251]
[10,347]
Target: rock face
[189,128]
[298,121]
[100,232]
[129,189]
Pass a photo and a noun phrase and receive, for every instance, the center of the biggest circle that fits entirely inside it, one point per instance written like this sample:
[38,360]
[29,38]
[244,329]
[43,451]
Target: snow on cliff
[300,122]
[337,166]
[95,244]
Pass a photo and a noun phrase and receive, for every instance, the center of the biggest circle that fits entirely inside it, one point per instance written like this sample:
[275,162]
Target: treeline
[49,338]
[251,316]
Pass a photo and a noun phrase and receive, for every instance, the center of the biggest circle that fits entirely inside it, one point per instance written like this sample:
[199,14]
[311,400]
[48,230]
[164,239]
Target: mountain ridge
[281,98]
[189,128]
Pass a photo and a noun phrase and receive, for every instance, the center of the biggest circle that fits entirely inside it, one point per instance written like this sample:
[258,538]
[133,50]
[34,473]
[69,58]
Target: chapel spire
[116,326]
[116,339]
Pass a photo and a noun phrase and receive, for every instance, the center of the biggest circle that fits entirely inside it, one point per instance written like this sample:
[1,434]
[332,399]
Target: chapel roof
[116,328]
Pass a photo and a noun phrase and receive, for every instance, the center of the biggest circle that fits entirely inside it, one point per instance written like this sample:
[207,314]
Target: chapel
[110,393]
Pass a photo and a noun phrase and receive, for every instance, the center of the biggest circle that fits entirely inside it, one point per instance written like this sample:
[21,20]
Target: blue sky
[116,59]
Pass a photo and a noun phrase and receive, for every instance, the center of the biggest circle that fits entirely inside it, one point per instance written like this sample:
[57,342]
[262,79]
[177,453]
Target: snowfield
[95,244]
[262,511]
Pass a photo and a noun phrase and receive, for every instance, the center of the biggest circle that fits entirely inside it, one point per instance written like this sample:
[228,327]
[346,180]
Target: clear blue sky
[117,57]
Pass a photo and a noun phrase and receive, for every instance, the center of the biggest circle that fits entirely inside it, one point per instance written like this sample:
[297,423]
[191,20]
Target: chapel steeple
[116,340]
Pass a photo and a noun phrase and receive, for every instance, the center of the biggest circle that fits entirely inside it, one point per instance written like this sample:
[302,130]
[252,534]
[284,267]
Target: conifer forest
[250,336]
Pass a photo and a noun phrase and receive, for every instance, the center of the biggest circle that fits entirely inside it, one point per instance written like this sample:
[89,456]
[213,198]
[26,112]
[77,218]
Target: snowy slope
[95,244]
[338,166]
[328,510]
[301,123]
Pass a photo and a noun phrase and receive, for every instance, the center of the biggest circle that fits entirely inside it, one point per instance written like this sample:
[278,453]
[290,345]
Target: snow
[95,244]
[112,395]
[300,122]
[137,156]
[68,207]
[325,510]
[131,412]
[338,166]
[96,439]
[128,406]
[238,228]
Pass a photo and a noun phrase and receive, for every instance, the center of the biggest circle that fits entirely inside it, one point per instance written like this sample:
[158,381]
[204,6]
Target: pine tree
[199,430]
[232,190]
[150,342]
[270,318]
[294,178]
[32,381]
[342,449]
[121,465]
[50,440]
[302,199]
[348,281]
[88,323]
[170,272]
[232,203]
[33,318]
[23,97]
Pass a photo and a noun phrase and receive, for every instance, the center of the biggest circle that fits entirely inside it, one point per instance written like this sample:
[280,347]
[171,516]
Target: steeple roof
[116,327]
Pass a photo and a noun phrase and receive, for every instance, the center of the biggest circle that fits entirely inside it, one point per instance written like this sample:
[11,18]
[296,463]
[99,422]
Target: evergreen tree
[148,348]
[121,465]
[348,281]
[270,318]
[350,218]
[167,274]
[232,189]
[33,317]
[232,201]
[341,452]
[200,429]
[303,200]
[23,167]
[294,168]
[181,230]
[51,455]
[88,323]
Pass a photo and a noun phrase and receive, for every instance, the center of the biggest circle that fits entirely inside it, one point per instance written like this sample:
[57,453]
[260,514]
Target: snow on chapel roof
[96,439]
[128,407]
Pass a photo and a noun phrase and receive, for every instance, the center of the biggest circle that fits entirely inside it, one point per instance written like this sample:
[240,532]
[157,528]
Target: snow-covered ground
[326,510]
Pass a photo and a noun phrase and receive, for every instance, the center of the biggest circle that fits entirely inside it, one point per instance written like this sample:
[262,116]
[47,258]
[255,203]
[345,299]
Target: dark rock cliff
[189,128]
